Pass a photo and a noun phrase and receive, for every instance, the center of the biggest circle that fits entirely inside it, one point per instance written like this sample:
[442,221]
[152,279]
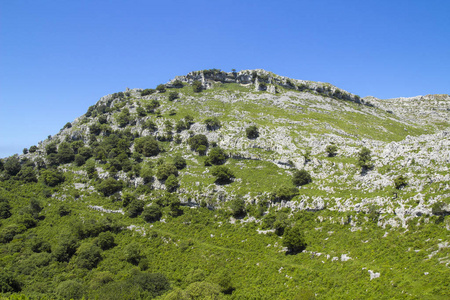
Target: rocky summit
[239,185]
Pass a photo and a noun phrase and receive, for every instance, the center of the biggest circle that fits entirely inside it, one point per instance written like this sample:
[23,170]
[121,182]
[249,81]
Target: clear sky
[59,57]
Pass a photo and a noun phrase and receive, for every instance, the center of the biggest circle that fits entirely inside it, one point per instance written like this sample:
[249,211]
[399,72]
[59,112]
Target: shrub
[438,208]
[135,208]
[94,129]
[147,92]
[79,160]
[152,105]
[52,177]
[110,186]
[12,165]
[150,125]
[146,173]
[172,96]
[88,256]
[180,126]
[171,183]
[123,118]
[51,148]
[223,174]
[284,193]
[147,146]
[365,158]
[165,170]
[85,152]
[161,88]
[237,207]
[27,174]
[70,289]
[198,140]
[331,150]
[152,213]
[201,150]
[293,239]
[32,149]
[197,86]
[66,248]
[141,112]
[252,132]
[212,123]
[132,253]
[400,182]
[25,151]
[5,209]
[177,83]
[216,156]
[102,119]
[68,125]
[8,283]
[65,153]
[179,162]
[301,177]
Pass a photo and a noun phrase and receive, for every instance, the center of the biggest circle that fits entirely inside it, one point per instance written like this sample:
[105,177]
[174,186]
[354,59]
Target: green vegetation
[83,216]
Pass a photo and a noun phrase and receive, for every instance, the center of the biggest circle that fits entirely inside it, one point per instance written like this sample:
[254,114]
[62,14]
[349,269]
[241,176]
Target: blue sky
[59,57]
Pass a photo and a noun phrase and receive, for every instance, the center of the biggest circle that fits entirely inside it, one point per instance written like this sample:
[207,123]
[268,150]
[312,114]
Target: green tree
[65,153]
[198,140]
[123,118]
[132,253]
[135,208]
[216,156]
[400,182]
[252,132]
[365,158]
[237,207]
[110,186]
[152,213]
[197,86]
[33,149]
[147,146]
[201,149]
[294,239]
[27,174]
[284,192]
[223,174]
[179,162]
[79,160]
[161,88]
[12,165]
[70,289]
[88,256]
[66,248]
[5,209]
[51,148]
[212,123]
[331,150]
[171,183]
[301,177]
[165,170]
[9,283]
[146,173]
[172,96]
[140,111]
[147,92]
[52,177]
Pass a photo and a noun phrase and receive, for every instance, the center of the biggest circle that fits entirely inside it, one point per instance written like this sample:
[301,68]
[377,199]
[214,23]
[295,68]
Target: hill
[233,185]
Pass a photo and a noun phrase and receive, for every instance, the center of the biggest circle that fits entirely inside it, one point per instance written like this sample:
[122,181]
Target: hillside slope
[194,183]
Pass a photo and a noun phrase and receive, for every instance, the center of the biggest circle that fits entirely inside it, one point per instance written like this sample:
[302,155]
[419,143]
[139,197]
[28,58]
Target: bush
[201,150]
[8,283]
[301,177]
[102,119]
[65,249]
[70,289]
[152,105]
[79,160]
[365,158]
[135,208]
[51,148]
[223,174]
[331,150]
[123,118]
[237,207]
[132,253]
[110,186]
[293,239]
[216,156]
[165,170]
[171,183]
[88,256]
[32,149]
[400,182]
[27,174]
[197,140]
[179,162]
[252,132]
[197,86]
[172,96]
[12,165]
[146,173]
[25,151]
[94,129]
[284,193]
[5,209]
[161,88]
[147,92]
[212,123]
[152,213]
[141,112]
[65,153]
[52,177]
[147,146]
